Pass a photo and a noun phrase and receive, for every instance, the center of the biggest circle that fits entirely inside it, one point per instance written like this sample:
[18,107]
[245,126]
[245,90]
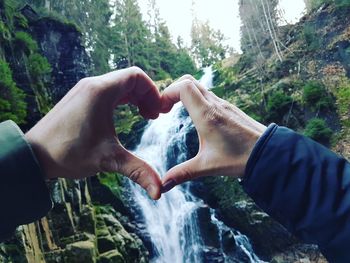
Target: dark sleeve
[305,187]
[24,196]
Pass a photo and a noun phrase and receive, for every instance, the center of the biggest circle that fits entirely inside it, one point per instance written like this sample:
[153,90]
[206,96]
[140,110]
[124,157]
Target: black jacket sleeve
[305,187]
[24,196]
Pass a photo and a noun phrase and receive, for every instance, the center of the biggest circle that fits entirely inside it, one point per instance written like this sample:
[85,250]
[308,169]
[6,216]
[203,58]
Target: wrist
[40,154]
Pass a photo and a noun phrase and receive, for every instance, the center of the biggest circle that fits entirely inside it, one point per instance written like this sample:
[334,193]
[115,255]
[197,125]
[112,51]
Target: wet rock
[209,231]
[228,242]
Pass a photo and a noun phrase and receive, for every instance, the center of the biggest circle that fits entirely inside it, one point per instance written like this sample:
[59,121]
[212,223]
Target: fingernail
[152,190]
[168,186]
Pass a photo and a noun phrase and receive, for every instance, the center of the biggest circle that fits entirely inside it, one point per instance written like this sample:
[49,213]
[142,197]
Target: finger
[188,93]
[134,86]
[137,170]
[181,173]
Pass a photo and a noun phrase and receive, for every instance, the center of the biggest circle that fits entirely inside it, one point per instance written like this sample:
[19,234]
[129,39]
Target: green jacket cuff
[24,196]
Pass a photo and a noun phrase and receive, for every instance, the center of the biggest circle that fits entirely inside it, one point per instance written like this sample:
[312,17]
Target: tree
[130,35]
[259,23]
[207,44]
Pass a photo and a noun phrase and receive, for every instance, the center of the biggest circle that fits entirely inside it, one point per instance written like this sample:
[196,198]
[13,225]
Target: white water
[172,221]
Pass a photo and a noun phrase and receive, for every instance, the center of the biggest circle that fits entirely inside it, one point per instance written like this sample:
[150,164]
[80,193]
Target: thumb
[181,173]
[138,171]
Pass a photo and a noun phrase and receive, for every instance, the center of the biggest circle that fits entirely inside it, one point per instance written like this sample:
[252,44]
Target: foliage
[38,66]
[316,96]
[12,99]
[278,105]
[343,103]
[126,117]
[25,42]
[318,130]
[311,37]
[113,181]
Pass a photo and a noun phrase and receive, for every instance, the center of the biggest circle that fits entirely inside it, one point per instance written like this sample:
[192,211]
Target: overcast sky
[221,14]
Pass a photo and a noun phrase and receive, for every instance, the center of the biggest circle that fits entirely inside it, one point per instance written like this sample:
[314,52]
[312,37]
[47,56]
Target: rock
[111,257]
[87,220]
[55,256]
[61,45]
[228,242]
[82,251]
[209,231]
[105,243]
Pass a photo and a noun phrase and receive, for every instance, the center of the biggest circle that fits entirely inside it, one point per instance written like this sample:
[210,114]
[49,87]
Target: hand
[226,134]
[77,137]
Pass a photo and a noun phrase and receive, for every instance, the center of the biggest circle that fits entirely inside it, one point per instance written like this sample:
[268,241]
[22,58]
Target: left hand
[77,137]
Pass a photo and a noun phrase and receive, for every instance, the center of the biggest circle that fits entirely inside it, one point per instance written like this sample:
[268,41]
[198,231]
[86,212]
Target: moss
[24,41]
[113,181]
[20,21]
[4,32]
[38,65]
[12,99]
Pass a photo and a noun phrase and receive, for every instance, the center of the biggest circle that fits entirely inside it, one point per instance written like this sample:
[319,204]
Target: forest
[295,75]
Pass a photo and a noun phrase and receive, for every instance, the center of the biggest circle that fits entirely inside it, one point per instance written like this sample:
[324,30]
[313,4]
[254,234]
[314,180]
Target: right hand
[226,134]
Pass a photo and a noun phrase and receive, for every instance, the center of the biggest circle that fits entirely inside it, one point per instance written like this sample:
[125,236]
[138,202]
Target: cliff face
[81,227]
[61,45]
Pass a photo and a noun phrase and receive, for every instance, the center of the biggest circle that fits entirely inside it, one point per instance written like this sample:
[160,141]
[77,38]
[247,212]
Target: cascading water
[173,222]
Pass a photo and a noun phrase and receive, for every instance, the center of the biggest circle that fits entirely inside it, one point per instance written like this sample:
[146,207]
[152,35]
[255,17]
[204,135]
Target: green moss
[38,66]
[278,105]
[12,99]
[4,32]
[113,181]
[24,41]
[316,96]
[318,130]
[20,21]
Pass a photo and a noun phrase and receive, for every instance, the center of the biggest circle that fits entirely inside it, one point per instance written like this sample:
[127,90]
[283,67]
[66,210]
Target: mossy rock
[82,251]
[111,257]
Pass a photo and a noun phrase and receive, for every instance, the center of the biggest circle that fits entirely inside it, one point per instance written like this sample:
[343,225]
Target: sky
[221,14]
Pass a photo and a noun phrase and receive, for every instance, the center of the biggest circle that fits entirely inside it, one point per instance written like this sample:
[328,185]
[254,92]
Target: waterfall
[173,223]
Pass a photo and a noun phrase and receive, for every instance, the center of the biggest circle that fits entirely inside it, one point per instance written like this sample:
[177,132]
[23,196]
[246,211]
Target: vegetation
[316,96]
[38,66]
[318,130]
[278,105]
[12,99]
[25,42]
[311,38]
[113,181]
